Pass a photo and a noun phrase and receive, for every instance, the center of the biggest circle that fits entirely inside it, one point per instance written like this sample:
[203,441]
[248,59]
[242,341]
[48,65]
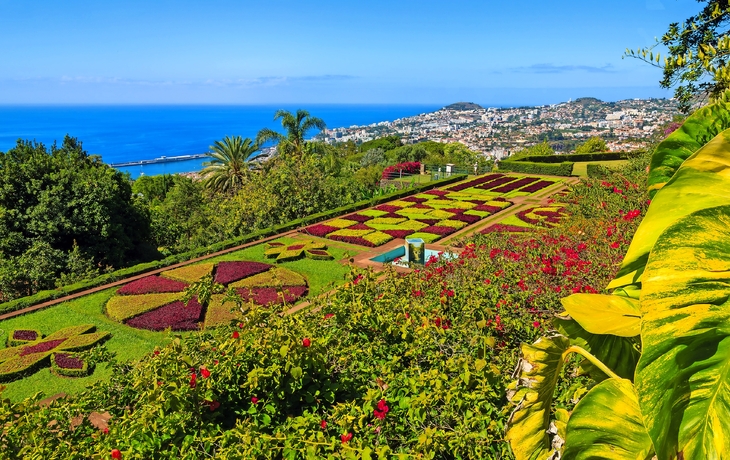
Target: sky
[330,52]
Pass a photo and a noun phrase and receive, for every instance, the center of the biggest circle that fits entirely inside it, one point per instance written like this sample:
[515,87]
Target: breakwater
[162,159]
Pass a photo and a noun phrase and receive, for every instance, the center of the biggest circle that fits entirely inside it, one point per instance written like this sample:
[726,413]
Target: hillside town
[498,132]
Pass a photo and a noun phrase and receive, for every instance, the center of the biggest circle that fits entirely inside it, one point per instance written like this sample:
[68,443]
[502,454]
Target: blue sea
[131,133]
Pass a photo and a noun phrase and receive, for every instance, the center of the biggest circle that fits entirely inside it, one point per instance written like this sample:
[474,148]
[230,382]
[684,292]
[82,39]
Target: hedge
[561,169]
[47,295]
[596,171]
[574,157]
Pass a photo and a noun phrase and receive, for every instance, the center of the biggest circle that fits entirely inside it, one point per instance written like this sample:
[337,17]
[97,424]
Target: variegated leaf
[605,314]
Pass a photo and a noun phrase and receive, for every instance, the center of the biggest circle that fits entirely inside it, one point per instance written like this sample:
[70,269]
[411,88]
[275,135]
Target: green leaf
[607,424]
[605,314]
[683,374]
[296,372]
[701,182]
[620,354]
[539,369]
[696,131]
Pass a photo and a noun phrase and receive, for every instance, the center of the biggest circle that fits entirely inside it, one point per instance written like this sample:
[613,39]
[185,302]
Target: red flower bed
[319,252]
[420,206]
[25,335]
[320,230]
[468,218]
[522,215]
[437,230]
[515,185]
[388,208]
[496,183]
[358,218]
[41,347]
[413,199]
[152,285]
[398,233]
[537,186]
[475,182]
[294,247]
[437,192]
[358,227]
[65,361]
[406,169]
[271,296]
[176,316]
[228,272]
[393,215]
[455,210]
[487,208]
[429,221]
[504,228]
[352,240]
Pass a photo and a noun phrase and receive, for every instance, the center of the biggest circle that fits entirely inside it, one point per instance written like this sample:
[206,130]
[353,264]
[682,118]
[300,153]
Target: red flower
[357,279]
[254,399]
[159,383]
[116,454]
[615,245]
[105,430]
[306,342]
[213,405]
[236,334]
[157,352]
[329,315]
[204,372]
[240,325]
[536,324]
[193,378]
[344,437]
[381,410]
[323,424]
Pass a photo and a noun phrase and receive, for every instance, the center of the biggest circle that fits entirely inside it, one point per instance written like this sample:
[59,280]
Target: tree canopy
[696,61]
[592,145]
[542,148]
[296,125]
[228,165]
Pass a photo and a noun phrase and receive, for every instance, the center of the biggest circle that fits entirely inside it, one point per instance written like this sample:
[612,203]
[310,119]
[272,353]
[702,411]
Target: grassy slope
[130,344]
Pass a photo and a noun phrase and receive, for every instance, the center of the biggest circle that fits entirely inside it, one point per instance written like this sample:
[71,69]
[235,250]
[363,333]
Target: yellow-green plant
[658,349]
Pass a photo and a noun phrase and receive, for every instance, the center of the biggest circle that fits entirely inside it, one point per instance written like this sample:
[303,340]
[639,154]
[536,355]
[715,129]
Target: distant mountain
[587,101]
[463,106]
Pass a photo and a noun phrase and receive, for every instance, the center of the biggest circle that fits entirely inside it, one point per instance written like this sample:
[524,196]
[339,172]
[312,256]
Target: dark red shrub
[468,218]
[413,199]
[358,218]
[176,316]
[437,192]
[41,347]
[438,230]
[429,221]
[388,208]
[25,335]
[319,252]
[152,285]
[359,227]
[320,230]
[455,211]
[398,233]
[487,208]
[228,272]
[402,169]
[536,186]
[65,361]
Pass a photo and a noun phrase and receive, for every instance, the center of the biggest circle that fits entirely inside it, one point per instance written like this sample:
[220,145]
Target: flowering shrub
[358,217]
[537,186]
[399,233]
[474,182]
[407,168]
[511,186]
[189,273]
[320,230]
[151,285]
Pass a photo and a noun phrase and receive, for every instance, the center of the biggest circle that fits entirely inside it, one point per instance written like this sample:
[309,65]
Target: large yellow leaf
[683,375]
[703,181]
[607,424]
[605,314]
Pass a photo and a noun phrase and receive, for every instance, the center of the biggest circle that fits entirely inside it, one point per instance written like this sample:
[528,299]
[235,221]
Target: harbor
[162,159]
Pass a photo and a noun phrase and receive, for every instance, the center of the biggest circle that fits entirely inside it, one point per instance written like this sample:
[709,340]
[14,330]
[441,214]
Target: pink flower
[357,279]
[381,410]
[213,405]
[254,399]
[116,454]
[536,324]
[306,342]
[236,335]
[323,424]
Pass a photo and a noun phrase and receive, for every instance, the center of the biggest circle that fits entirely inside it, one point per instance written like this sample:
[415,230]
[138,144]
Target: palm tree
[296,127]
[228,165]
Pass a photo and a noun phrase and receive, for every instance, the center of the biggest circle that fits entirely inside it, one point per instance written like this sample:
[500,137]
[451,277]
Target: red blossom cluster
[177,316]
[381,409]
[152,285]
[66,361]
[228,272]
[408,168]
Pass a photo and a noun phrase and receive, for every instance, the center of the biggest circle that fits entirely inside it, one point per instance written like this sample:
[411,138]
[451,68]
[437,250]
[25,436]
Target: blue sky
[344,51]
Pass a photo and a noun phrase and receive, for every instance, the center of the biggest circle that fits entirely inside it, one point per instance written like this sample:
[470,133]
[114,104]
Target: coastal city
[498,132]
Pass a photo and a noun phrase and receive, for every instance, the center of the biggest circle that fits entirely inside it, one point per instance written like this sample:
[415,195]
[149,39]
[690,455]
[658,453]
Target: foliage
[296,126]
[593,145]
[697,55]
[57,201]
[542,148]
[385,143]
[375,156]
[228,166]
[561,169]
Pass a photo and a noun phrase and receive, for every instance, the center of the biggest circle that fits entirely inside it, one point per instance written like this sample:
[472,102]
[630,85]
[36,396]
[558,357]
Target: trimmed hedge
[552,169]
[83,371]
[47,295]
[596,171]
[575,157]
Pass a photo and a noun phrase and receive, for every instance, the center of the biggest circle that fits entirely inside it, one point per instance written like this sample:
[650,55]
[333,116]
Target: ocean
[131,133]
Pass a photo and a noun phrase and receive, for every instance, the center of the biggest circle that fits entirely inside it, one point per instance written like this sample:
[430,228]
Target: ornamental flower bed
[537,186]
[152,285]
[68,365]
[502,228]
[22,337]
[18,361]
[515,185]
[268,296]
[163,311]
[475,182]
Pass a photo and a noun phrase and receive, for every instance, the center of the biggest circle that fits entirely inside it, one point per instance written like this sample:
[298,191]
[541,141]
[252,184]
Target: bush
[562,169]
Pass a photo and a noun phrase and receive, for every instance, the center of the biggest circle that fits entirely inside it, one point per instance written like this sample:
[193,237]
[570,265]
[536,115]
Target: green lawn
[129,343]
[580,167]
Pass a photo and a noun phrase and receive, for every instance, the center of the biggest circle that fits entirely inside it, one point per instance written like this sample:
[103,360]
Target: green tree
[374,156]
[149,188]
[592,145]
[228,165]
[697,53]
[542,148]
[295,126]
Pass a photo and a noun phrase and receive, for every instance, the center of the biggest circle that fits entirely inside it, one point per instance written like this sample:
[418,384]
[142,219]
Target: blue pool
[400,253]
